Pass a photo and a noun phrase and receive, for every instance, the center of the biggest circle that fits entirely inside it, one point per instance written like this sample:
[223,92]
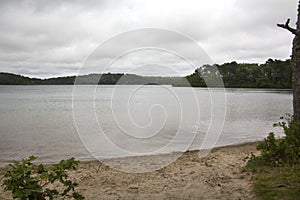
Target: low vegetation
[277,170]
[29,181]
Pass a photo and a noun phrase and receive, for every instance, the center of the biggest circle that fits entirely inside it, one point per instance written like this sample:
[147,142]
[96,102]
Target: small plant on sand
[29,181]
[282,151]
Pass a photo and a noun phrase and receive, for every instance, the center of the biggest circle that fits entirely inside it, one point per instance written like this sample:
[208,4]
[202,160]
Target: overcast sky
[54,38]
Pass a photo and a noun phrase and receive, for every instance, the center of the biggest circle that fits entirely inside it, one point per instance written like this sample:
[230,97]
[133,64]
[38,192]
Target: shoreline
[216,176]
[90,159]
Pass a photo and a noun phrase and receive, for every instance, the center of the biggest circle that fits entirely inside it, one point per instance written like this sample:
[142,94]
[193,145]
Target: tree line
[271,74]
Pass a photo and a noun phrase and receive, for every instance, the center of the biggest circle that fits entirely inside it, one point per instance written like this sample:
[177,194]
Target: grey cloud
[45,38]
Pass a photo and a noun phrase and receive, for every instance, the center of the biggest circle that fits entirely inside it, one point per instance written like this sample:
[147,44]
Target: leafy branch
[30,181]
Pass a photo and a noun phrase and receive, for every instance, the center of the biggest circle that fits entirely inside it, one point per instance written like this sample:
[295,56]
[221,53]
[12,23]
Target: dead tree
[295,63]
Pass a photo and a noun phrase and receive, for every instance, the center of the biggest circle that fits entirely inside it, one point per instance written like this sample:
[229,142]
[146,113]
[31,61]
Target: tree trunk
[295,64]
[296,70]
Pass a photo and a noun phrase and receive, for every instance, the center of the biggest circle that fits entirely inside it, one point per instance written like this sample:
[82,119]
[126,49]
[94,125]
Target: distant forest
[271,74]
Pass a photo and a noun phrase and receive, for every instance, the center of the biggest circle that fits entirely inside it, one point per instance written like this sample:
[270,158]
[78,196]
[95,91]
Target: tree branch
[287,27]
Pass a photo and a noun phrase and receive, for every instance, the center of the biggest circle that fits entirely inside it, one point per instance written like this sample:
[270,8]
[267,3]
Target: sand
[217,176]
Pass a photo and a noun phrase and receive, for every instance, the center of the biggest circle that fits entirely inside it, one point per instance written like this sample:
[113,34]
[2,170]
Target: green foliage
[272,74]
[28,181]
[283,151]
[277,169]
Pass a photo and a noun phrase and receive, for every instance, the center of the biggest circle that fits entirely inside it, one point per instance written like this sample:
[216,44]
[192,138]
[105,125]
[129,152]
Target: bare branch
[287,27]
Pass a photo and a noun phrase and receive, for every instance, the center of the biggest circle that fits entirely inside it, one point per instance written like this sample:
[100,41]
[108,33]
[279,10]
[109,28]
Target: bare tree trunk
[295,64]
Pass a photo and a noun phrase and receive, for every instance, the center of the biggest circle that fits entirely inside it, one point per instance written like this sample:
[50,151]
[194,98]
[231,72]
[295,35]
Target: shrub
[282,151]
[27,180]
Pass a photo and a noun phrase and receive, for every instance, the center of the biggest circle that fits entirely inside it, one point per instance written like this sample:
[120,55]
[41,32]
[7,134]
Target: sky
[40,38]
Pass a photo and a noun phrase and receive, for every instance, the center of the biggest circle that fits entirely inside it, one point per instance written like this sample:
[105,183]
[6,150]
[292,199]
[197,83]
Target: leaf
[26,180]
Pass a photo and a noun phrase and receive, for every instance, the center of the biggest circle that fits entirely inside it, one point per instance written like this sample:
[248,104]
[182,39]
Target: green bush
[28,181]
[282,151]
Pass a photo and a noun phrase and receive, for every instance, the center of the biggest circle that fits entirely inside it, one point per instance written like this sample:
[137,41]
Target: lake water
[56,122]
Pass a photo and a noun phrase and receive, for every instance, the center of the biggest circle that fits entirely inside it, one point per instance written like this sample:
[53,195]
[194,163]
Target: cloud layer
[53,38]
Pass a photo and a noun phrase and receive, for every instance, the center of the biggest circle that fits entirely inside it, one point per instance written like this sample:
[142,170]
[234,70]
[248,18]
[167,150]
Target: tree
[295,63]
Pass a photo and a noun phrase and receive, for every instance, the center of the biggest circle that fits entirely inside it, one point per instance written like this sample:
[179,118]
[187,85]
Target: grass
[277,169]
[282,182]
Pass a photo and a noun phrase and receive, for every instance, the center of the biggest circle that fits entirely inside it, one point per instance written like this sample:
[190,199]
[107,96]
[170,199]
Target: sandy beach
[216,176]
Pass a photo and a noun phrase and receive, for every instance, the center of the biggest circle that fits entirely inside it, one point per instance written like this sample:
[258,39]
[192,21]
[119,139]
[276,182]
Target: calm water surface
[39,120]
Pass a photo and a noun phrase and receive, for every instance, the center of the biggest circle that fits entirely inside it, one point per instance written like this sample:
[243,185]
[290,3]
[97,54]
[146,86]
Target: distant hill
[14,79]
[103,79]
